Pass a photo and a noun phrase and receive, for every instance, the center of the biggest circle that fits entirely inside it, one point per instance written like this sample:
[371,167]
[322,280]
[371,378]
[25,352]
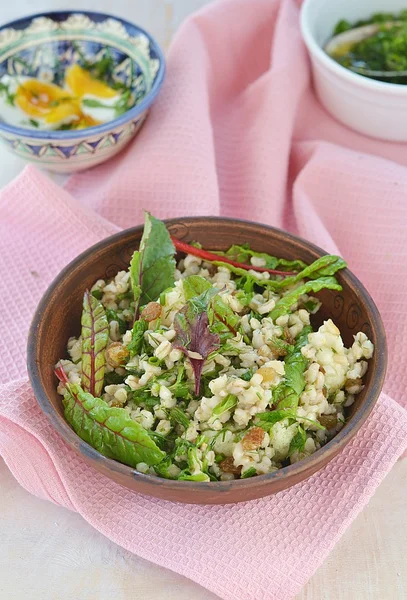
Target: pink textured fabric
[237,132]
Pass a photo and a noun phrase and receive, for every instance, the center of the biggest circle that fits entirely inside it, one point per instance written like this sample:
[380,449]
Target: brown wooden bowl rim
[337,443]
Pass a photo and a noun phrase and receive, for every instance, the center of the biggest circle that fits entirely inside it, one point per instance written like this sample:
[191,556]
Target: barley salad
[209,369]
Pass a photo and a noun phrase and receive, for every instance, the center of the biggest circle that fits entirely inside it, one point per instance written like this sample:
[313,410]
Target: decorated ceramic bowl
[75,88]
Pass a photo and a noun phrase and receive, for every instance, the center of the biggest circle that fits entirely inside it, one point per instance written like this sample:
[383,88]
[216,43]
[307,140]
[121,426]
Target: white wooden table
[50,553]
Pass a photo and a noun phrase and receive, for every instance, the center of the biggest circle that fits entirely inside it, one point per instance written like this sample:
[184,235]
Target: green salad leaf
[225,314]
[162,469]
[274,416]
[199,304]
[152,267]
[298,441]
[288,392]
[178,415]
[137,337]
[226,404]
[110,430]
[113,378]
[113,316]
[323,267]
[180,388]
[247,375]
[284,304]
[195,285]
[186,476]
[268,418]
[250,472]
[95,335]
[243,253]
[194,471]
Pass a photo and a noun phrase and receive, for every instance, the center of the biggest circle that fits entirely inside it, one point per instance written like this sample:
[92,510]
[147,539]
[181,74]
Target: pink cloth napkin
[236,131]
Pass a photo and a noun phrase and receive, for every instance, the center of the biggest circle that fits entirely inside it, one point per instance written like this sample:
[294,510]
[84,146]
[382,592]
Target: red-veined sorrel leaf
[108,429]
[95,335]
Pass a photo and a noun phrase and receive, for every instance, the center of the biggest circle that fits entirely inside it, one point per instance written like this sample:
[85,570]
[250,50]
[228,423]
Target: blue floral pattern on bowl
[44,45]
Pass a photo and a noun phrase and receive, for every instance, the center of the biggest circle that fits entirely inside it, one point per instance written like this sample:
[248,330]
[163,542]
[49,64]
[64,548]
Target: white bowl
[371,107]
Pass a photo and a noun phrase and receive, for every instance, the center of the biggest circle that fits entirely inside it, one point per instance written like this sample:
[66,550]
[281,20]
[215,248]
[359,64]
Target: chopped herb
[247,375]
[177,415]
[113,378]
[298,441]
[137,337]
[251,472]
[383,51]
[227,404]
[113,316]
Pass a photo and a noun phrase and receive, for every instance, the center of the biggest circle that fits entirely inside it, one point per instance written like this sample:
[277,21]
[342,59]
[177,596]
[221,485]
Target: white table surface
[50,553]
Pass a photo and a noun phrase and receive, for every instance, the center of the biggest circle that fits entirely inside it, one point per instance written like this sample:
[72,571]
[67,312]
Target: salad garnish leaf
[195,285]
[195,466]
[298,441]
[243,253]
[268,418]
[113,316]
[199,304]
[186,476]
[113,378]
[110,430]
[194,339]
[137,337]
[225,314]
[226,404]
[247,375]
[324,266]
[95,335]
[288,392]
[152,267]
[180,388]
[250,472]
[274,416]
[162,469]
[284,304]
[178,415]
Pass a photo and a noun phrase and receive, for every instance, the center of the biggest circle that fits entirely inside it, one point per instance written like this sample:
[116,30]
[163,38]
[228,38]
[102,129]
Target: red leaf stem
[62,376]
[209,256]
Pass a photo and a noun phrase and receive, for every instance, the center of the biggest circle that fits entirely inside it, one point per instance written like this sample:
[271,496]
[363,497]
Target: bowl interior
[58,318]
[44,46]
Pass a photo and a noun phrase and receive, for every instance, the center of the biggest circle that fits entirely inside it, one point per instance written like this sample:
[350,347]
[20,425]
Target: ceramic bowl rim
[394,89]
[316,459]
[129,115]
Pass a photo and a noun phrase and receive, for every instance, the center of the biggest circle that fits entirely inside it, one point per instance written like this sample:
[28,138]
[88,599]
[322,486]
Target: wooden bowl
[58,317]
